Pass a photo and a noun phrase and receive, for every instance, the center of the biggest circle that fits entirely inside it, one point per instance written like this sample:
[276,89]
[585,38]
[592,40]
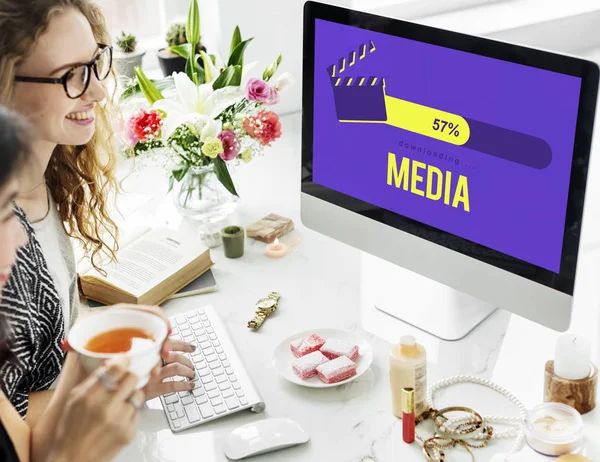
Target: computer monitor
[459,158]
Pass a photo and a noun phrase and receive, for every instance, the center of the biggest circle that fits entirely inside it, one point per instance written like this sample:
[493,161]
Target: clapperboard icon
[357,98]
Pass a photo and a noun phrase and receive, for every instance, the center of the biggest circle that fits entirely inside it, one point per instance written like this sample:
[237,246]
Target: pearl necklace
[518,422]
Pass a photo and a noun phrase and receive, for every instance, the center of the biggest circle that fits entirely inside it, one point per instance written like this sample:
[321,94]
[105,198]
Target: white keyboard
[222,385]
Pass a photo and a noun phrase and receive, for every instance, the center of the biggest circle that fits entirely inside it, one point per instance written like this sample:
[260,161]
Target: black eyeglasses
[77,80]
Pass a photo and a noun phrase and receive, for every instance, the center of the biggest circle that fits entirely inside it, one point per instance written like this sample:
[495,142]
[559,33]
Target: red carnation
[144,125]
[265,126]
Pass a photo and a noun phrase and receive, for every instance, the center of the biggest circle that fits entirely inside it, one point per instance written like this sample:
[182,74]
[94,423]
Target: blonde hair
[78,177]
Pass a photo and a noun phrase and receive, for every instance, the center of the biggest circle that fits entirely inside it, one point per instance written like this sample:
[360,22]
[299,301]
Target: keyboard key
[233,378]
[185,332]
[226,363]
[236,386]
[173,415]
[171,399]
[211,358]
[206,324]
[207,380]
[210,386]
[244,401]
[215,402]
[179,410]
[176,423]
[205,345]
[187,400]
[199,392]
[219,350]
[232,403]
[213,394]
[227,393]
[208,351]
[220,409]
[224,386]
[202,399]
[218,372]
[192,412]
[221,379]
[223,357]
[180,319]
[203,372]
[183,394]
[203,338]
[204,317]
[214,365]
[212,336]
[210,330]
[200,311]
[216,343]
[206,410]
[170,407]
[229,370]
[240,393]
[197,353]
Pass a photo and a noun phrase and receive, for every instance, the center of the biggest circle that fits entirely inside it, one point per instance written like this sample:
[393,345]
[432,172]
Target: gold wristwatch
[264,307]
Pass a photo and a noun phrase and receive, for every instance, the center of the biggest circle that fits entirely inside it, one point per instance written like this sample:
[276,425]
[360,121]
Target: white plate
[283,356]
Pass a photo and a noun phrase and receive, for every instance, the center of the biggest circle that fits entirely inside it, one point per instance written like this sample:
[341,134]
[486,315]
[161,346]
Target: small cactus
[126,42]
[176,36]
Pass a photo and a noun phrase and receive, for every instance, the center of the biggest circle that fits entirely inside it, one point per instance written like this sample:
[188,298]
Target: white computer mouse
[263,436]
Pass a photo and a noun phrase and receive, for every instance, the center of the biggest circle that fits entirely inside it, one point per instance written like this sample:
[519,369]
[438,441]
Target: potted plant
[126,58]
[171,58]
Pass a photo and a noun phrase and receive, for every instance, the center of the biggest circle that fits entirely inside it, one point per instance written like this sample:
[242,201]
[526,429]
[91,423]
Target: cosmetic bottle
[408,415]
[408,369]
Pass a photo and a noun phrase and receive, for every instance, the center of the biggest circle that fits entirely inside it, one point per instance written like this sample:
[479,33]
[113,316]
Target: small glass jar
[554,429]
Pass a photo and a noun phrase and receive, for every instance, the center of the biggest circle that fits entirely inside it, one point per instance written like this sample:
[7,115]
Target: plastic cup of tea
[142,359]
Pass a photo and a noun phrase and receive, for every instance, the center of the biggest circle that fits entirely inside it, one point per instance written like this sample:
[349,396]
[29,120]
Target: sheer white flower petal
[187,91]
[212,128]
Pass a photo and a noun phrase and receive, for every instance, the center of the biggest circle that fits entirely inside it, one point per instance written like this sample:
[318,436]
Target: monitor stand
[420,302]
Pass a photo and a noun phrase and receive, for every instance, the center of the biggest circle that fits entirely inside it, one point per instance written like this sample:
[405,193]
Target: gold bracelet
[462,434]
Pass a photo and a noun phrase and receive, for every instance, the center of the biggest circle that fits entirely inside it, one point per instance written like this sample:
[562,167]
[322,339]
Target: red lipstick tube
[408,415]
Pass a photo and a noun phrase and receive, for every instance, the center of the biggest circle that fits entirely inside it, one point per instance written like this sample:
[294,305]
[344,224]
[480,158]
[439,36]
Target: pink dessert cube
[306,366]
[336,348]
[336,370]
[306,345]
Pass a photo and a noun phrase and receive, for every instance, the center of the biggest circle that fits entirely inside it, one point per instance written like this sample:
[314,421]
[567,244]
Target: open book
[149,269]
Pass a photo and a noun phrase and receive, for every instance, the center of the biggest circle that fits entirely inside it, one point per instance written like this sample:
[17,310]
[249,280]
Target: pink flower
[144,125]
[273,97]
[265,127]
[231,145]
[258,90]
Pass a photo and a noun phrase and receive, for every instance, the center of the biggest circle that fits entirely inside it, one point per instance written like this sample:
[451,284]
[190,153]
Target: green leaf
[235,40]
[179,173]
[213,58]
[171,183]
[223,175]
[199,71]
[161,84]
[149,90]
[225,78]
[272,68]
[192,30]
[236,80]
[206,60]
[237,56]
[190,70]
[182,50]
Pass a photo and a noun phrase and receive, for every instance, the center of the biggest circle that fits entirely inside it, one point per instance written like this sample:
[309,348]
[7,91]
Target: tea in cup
[115,332]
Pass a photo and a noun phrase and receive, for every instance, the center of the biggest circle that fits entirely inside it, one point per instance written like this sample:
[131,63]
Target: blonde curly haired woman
[55,60]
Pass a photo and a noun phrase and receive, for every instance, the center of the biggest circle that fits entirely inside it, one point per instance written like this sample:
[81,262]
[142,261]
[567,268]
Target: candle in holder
[233,241]
[573,357]
[276,249]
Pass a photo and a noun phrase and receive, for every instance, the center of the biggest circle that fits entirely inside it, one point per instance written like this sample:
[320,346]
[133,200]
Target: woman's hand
[173,364]
[100,415]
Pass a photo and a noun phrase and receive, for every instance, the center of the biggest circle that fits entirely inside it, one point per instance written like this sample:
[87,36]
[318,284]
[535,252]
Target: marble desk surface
[321,286]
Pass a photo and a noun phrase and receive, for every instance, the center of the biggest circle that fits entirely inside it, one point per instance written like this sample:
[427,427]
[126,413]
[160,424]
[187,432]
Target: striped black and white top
[31,305]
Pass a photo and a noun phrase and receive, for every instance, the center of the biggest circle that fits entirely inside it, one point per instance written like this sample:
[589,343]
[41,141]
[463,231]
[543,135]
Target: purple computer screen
[475,146]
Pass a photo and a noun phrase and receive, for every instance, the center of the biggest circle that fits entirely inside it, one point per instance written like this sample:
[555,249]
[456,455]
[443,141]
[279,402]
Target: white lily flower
[193,101]
[211,129]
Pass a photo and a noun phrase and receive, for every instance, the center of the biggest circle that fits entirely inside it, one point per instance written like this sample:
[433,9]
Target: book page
[150,260]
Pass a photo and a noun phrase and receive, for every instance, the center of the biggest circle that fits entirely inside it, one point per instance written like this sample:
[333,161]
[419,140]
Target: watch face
[266,303]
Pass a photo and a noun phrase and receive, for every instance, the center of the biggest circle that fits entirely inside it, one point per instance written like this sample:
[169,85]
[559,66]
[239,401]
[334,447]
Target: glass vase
[201,196]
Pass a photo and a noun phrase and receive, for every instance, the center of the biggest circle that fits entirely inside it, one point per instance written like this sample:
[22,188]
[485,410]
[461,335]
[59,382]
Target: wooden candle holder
[579,394]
